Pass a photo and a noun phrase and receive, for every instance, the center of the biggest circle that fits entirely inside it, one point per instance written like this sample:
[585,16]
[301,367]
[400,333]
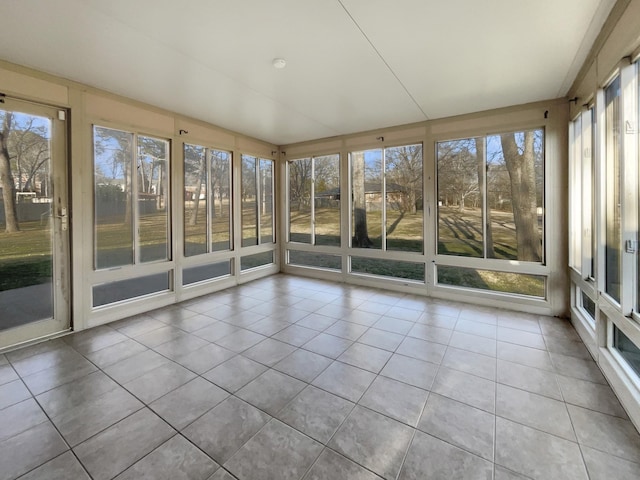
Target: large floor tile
[271,391]
[161,335]
[537,454]
[176,459]
[459,424]
[463,387]
[327,345]
[224,429]
[303,365]
[520,337]
[366,357]
[94,339]
[29,449]
[430,333]
[12,393]
[7,374]
[602,466]
[315,321]
[381,339]
[186,403]
[277,451]
[613,435]
[121,445]
[269,351]
[470,362]
[316,413]
[241,340]
[395,399]
[114,353]
[593,396]
[216,331]
[205,358]
[61,354]
[374,441]
[181,346]
[331,466]
[582,369]
[434,459]
[94,414]
[58,374]
[473,343]
[235,373]
[422,350]
[393,325]
[348,330]
[20,417]
[135,366]
[296,335]
[528,378]
[159,381]
[63,467]
[476,328]
[410,370]
[530,357]
[535,411]
[344,380]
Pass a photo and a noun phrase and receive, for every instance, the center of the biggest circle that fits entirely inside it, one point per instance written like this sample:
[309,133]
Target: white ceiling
[352,65]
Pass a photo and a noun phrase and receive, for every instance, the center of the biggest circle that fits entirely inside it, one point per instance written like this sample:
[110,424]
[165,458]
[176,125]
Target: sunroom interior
[273,205]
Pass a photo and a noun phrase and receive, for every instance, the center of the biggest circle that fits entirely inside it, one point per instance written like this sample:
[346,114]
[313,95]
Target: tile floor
[293,378]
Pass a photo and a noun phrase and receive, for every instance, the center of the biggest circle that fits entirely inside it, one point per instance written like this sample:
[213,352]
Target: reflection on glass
[195,200]
[122,290]
[113,158]
[403,188]
[612,161]
[388,268]
[266,201]
[201,273]
[313,259]
[26,228]
[152,194]
[249,201]
[589,306]
[326,221]
[515,180]
[367,192]
[460,197]
[220,195]
[300,181]
[627,349]
[256,260]
[522,284]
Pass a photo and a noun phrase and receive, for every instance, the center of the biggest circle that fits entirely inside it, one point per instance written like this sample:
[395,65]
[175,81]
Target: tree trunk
[6,179]
[482,186]
[521,168]
[359,202]
[201,175]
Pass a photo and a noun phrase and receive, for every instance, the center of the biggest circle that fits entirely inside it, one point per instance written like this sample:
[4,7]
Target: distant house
[396,195]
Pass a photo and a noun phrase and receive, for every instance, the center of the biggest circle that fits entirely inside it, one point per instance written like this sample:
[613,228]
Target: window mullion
[313,201]
[208,194]
[135,210]
[257,202]
[383,227]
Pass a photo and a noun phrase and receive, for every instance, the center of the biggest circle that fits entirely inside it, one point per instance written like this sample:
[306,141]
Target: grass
[25,256]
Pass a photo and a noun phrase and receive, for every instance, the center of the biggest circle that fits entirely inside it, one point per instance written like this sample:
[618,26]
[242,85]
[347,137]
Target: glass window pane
[388,268]
[313,259]
[202,273]
[26,223]
[265,202]
[515,179]
[113,158]
[220,198]
[300,178]
[195,200]
[523,284]
[588,305]
[612,233]
[460,198]
[249,201]
[121,290]
[404,213]
[627,349]
[152,192]
[366,191]
[575,195]
[327,200]
[256,260]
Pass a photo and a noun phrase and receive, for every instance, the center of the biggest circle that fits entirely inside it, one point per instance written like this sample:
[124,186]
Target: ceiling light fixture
[279,63]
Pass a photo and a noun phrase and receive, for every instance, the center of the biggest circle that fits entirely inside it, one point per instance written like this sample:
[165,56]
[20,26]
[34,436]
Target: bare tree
[404,168]
[7,181]
[361,233]
[520,161]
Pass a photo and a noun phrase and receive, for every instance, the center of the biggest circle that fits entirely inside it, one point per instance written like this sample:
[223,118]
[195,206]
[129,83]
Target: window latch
[631,246]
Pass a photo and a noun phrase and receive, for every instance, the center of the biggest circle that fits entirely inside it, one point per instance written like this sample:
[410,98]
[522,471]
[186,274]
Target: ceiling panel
[352,65]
